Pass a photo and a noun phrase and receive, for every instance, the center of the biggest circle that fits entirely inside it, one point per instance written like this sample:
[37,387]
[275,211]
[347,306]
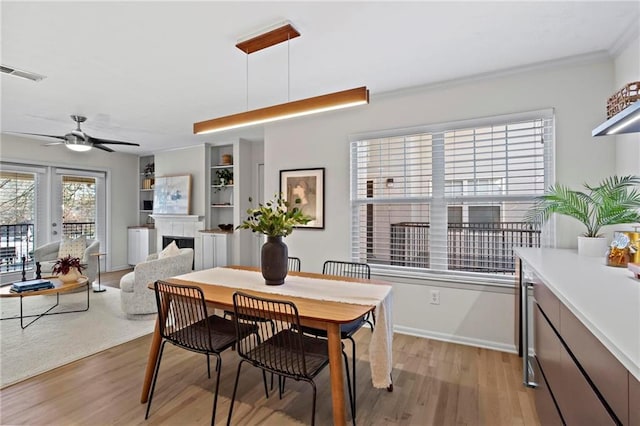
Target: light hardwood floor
[112,279]
[435,383]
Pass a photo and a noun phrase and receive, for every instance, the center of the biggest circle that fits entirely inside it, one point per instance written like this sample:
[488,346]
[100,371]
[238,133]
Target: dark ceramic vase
[274,261]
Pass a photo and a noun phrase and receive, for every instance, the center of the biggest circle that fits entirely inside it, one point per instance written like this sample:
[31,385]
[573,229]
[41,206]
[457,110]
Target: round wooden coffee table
[58,287]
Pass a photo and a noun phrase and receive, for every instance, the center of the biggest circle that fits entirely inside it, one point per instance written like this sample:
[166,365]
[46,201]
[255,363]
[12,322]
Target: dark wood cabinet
[634,401]
[548,413]
[580,382]
[586,336]
[602,368]
[547,347]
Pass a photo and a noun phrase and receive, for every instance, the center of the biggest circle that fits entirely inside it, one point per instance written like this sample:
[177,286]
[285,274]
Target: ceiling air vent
[20,73]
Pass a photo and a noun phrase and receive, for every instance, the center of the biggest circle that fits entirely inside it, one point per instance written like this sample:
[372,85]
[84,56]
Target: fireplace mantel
[177,217]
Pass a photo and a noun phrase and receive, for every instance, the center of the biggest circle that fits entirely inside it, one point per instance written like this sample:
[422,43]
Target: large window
[450,199]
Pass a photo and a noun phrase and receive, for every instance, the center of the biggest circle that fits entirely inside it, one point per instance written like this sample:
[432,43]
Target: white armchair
[47,255]
[135,296]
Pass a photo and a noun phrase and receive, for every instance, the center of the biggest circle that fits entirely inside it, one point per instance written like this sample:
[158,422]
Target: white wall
[257,158]
[575,91]
[123,194]
[627,69]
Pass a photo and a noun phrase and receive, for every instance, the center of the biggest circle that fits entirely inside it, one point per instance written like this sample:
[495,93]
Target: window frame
[547,232]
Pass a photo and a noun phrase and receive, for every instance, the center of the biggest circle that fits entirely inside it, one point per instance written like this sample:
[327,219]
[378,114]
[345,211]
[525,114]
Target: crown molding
[631,33]
[490,75]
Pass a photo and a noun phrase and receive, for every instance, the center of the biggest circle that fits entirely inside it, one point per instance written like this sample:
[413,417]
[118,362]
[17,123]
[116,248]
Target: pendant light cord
[247,72]
[288,68]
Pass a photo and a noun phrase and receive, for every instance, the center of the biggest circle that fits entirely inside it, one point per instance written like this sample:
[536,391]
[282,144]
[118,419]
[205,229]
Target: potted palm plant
[275,219]
[613,201]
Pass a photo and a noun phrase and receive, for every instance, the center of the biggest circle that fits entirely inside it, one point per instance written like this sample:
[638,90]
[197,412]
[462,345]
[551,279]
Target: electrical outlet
[435,297]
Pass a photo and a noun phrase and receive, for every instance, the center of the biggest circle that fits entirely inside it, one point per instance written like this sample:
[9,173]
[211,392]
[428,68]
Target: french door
[77,204]
[43,204]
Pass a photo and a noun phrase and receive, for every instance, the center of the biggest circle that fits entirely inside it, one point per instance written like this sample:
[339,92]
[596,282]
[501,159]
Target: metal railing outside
[77,229]
[17,241]
[476,247]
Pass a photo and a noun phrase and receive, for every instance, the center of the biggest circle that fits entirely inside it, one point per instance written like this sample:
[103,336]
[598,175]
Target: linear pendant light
[332,101]
[337,100]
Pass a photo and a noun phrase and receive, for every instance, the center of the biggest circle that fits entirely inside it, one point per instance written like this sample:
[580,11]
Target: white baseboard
[469,341]
[119,268]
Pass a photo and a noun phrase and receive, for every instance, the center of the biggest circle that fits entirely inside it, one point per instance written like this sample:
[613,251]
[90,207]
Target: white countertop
[604,298]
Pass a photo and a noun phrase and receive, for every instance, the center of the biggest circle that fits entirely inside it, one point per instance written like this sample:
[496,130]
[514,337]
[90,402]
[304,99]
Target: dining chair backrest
[294,264]
[346,269]
[281,348]
[182,316]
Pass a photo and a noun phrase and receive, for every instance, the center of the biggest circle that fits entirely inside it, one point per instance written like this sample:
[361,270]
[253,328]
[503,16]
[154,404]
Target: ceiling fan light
[76,143]
[78,147]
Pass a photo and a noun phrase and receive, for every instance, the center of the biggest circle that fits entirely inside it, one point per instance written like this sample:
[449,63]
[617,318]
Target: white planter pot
[592,246]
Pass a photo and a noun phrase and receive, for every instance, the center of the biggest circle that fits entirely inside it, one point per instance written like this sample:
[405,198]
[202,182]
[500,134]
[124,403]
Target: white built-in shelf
[221,166]
[222,186]
[221,205]
[146,211]
[146,190]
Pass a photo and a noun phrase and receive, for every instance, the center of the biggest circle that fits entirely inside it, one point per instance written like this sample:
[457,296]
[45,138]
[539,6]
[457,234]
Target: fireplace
[180,227]
[181,242]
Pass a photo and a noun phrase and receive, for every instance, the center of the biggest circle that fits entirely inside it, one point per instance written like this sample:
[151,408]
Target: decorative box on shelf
[147,183]
[623,98]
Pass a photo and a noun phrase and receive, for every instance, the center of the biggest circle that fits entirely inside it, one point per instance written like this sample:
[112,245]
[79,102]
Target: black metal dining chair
[294,263]
[184,322]
[286,351]
[353,270]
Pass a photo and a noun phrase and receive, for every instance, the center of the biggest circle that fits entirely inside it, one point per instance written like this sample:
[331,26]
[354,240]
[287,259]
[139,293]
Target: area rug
[56,340]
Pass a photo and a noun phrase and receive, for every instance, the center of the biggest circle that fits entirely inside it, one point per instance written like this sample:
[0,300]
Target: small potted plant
[276,220]
[225,176]
[614,201]
[68,269]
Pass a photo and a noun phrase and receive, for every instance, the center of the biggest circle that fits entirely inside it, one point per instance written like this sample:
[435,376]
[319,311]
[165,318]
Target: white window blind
[450,199]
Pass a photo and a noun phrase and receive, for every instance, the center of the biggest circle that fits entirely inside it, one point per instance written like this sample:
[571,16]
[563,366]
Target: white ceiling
[146,71]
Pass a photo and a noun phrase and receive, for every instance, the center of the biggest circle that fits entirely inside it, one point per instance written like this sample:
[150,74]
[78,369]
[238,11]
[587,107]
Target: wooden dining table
[323,314]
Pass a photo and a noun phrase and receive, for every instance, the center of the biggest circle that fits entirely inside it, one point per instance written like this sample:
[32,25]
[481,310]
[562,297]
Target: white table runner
[380,347]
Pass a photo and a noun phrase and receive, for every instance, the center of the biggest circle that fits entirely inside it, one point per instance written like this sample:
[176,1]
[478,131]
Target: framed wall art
[171,195]
[306,186]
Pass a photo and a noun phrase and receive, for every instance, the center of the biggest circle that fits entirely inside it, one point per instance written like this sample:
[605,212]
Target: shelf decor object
[332,101]
[623,112]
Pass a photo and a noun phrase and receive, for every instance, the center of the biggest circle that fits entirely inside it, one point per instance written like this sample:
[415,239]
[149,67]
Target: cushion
[73,247]
[170,250]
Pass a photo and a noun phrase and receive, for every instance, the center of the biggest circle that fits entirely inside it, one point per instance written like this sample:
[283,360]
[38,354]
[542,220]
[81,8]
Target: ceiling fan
[77,140]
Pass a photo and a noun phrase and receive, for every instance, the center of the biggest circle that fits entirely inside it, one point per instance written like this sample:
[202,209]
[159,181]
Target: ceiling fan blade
[104,148]
[53,143]
[40,134]
[98,140]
